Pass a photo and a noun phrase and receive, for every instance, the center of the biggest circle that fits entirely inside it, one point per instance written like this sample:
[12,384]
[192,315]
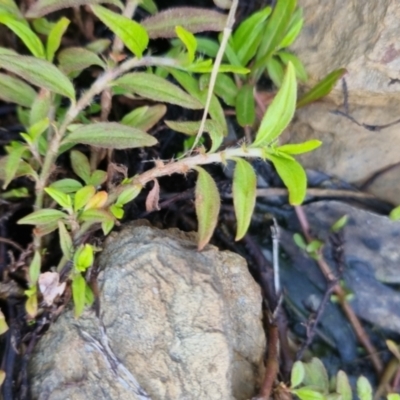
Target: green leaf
[207,46]
[80,165]
[38,72]
[83,257]
[55,36]
[74,59]
[59,197]
[37,129]
[34,268]
[294,29]
[98,46]
[10,7]
[79,294]
[300,241]
[314,246]
[42,217]
[300,148]
[23,169]
[44,7]
[280,112]
[274,33]
[245,106]
[393,396]
[158,89]
[207,206]
[195,20]
[132,34]
[292,175]
[364,389]
[9,52]
[297,374]
[149,5]
[117,211]
[82,196]
[340,223]
[322,88]
[96,215]
[12,164]
[144,118]
[31,305]
[298,65]
[40,107]
[189,40]
[308,393]
[110,135]
[343,386]
[14,90]
[206,66]
[3,329]
[244,195]
[65,241]
[22,30]
[247,37]
[98,177]
[42,26]
[275,71]
[107,227]
[316,376]
[66,185]
[395,214]
[225,87]
[128,194]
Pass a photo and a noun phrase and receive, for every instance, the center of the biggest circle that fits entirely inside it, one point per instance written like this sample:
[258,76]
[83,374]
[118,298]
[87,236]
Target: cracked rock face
[174,324]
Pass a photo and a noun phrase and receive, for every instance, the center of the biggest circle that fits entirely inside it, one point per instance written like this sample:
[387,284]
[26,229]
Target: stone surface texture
[361,36]
[174,324]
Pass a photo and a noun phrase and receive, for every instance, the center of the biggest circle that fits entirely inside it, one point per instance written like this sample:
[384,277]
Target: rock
[361,37]
[174,324]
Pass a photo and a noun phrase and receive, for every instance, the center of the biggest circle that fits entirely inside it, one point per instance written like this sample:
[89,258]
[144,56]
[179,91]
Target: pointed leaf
[322,88]
[24,32]
[207,206]
[275,71]
[78,294]
[343,386]
[292,175]
[128,194]
[132,34]
[40,107]
[294,28]
[225,87]
[340,223]
[44,7]
[98,178]
[31,305]
[84,257]
[61,198]
[42,217]
[96,215]
[75,59]
[3,329]
[11,7]
[245,106]
[110,135]
[38,72]
[66,185]
[364,389]
[55,36]
[162,25]
[80,165]
[158,89]
[244,195]
[280,112]
[34,268]
[189,40]
[298,65]
[300,148]
[97,201]
[297,374]
[395,214]
[144,118]
[14,90]
[13,161]
[82,196]
[316,376]
[65,241]
[308,393]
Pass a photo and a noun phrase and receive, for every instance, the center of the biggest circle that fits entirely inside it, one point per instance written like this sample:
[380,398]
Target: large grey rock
[174,324]
[361,36]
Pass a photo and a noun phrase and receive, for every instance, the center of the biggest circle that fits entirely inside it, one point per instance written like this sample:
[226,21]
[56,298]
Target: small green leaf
[247,37]
[132,34]
[40,107]
[395,214]
[195,20]
[98,177]
[158,89]
[207,206]
[44,7]
[299,240]
[42,217]
[82,196]
[34,268]
[110,135]
[83,257]
[117,211]
[340,223]
[244,195]
[14,90]
[59,197]
[300,148]
[10,7]
[54,38]
[206,66]
[144,118]
[189,40]
[22,30]
[343,386]
[39,73]
[245,106]
[80,165]
[207,46]
[293,176]
[308,393]
[43,26]
[95,215]
[322,88]
[364,389]
[99,46]
[89,296]
[12,165]
[66,185]
[79,294]
[225,87]
[316,376]
[65,241]
[37,129]
[297,374]
[31,305]
[149,5]
[128,194]
[275,71]
[280,112]
[107,227]
[393,396]
[294,29]
[298,65]
[3,329]
[74,59]
[314,246]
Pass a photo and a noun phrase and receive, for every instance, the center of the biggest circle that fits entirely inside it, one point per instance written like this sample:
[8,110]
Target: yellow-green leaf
[34,268]
[76,59]
[245,106]
[78,294]
[364,389]
[189,40]
[343,386]
[3,325]
[300,148]
[14,90]
[144,118]
[42,217]
[80,165]
[244,195]
[82,196]
[207,206]
[62,199]
[55,36]
[65,241]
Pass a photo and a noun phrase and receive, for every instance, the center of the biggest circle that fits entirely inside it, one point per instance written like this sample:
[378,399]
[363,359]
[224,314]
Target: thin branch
[12,243]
